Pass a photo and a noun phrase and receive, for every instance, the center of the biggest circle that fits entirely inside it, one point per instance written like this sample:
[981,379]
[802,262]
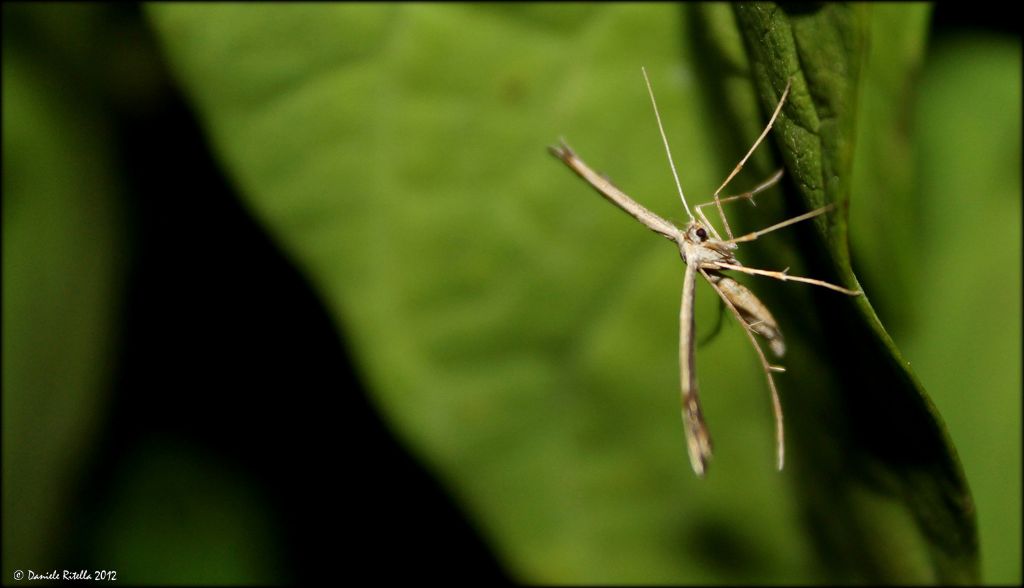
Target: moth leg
[785,277]
[774,179]
[739,165]
[780,442]
[785,223]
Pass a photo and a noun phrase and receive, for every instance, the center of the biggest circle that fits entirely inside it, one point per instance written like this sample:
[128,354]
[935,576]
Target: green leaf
[521,334]
[889,468]
[885,211]
[61,271]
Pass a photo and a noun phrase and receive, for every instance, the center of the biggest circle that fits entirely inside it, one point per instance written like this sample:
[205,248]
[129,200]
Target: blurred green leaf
[61,271]
[884,217]
[965,341]
[520,334]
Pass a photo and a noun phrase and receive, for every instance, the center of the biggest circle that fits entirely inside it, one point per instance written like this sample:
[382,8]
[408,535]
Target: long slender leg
[771,181]
[698,441]
[783,275]
[786,277]
[774,179]
[785,223]
[739,165]
[780,435]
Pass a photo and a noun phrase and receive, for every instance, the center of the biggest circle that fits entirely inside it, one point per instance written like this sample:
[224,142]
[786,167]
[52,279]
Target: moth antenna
[664,139]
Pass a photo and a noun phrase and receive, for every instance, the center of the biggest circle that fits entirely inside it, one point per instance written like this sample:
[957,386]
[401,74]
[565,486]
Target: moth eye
[702,234]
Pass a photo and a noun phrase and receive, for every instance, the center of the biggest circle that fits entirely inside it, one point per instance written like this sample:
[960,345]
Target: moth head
[700,238]
[696,233]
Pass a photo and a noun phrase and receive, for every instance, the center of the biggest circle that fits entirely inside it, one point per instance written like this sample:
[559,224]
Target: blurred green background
[295,291]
